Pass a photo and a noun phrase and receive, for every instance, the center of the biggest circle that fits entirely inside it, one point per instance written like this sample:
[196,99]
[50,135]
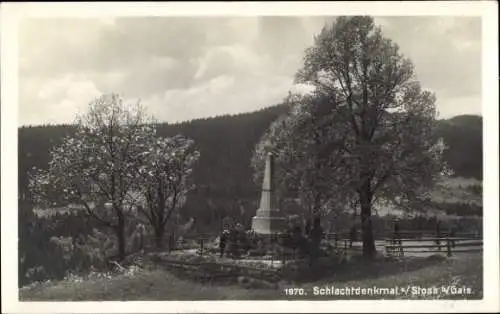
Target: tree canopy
[114,165]
[164,179]
[367,130]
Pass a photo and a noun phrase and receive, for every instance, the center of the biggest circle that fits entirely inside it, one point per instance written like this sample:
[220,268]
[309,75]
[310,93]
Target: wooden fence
[407,242]
[282,255]
[450,245]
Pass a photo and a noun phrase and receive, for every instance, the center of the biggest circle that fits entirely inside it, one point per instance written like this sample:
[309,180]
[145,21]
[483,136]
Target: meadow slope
[160,285]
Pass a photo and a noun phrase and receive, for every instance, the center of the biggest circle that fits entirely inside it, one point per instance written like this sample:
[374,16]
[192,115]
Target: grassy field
[160,285]
[458,190]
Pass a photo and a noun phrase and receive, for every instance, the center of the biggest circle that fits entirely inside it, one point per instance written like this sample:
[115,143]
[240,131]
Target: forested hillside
[225,142]
[463,135]
[223,175]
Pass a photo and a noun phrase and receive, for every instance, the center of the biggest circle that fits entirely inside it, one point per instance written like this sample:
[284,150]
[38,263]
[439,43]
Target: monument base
[268,225]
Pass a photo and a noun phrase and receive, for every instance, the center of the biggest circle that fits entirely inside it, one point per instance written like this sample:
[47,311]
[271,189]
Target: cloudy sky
[185,68]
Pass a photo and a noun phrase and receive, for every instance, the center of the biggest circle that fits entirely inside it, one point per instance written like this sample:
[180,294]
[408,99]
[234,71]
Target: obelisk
[268,219]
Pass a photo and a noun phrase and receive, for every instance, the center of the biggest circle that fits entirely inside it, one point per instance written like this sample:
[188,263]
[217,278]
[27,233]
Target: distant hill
[226,144]
[464,136]
[223,175]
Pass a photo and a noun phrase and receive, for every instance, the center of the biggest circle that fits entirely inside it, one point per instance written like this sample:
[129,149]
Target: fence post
[201,247]
[336,239]
[448,247]
[284,260]
[272,258]
[345,245]
[171,241]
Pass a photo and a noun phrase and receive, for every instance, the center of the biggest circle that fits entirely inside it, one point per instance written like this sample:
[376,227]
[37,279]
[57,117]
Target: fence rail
[450,245]
[343,241]
[434,239]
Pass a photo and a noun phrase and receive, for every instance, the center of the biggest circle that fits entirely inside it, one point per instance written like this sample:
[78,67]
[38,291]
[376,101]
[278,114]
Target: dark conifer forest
[226,144]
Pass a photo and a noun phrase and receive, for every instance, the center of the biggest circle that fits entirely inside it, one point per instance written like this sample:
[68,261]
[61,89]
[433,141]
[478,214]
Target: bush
[257,252]
[238,243]
[436,257]
[476,189]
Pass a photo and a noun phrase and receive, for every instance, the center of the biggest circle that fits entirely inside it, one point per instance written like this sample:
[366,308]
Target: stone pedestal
[264,224]
[268,219]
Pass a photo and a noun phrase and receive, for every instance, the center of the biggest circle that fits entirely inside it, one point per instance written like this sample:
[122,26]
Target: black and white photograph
[240,153]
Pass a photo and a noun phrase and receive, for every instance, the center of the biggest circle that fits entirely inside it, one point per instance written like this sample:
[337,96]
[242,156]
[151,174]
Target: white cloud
[449,106]
[231,60]
[59,100]
[221,95]
[186,68]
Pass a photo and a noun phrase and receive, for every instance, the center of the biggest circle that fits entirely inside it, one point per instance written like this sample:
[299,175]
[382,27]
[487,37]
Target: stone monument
[268,219]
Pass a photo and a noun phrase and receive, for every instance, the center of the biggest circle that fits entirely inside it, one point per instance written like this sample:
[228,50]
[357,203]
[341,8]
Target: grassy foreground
[464,271]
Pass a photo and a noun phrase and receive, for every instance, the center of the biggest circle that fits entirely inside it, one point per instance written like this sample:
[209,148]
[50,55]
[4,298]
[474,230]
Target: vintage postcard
[231,157]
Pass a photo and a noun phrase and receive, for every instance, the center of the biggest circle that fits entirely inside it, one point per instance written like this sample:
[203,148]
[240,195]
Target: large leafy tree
[371,123]
[164,179]
[305,162]
[95,168]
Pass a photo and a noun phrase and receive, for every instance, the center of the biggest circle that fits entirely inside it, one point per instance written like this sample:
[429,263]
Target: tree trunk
[120,233]
[369,250]
[314,210]
[159,230]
